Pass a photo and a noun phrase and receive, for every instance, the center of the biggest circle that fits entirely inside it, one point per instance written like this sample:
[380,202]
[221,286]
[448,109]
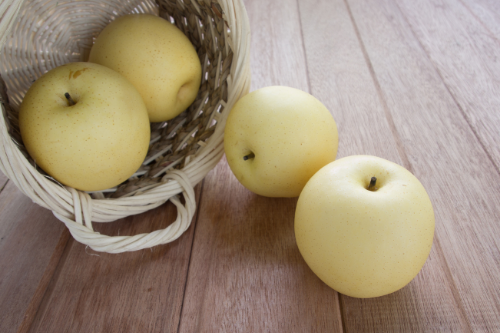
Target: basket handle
[81,228]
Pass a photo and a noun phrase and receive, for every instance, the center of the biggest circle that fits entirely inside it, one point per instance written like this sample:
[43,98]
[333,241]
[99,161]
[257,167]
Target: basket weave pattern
[38,35]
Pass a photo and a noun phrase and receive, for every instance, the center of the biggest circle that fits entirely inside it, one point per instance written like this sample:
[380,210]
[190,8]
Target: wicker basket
[38,35]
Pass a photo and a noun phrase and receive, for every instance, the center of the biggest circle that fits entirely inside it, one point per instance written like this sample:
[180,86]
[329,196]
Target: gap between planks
[3,182]
[191,251]
[308,78]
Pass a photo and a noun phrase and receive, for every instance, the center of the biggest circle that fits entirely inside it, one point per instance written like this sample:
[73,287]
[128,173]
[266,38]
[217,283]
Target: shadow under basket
[38,35]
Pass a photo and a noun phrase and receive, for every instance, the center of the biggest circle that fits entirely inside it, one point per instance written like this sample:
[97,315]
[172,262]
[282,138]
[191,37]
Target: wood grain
[31,242]
[487,12]
[464,54]
[246,273]
[138,291]
[343,79]
[412,82]
[277,53]
[443,150]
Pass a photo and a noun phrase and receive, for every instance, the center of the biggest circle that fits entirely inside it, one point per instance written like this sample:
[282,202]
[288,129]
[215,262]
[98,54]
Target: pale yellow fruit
[156,57]
[364,242]
[94,144]
[276,138]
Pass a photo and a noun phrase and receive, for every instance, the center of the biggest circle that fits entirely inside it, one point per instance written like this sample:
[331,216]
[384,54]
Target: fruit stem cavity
[373,182]
[71,102]
[249,156]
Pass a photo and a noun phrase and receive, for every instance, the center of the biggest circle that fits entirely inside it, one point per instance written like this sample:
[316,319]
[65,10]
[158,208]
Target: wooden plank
[246,273]
[465,55]
[341,78]
[487,12]
[277,53]
[443,151]
[139,291]
[31,242]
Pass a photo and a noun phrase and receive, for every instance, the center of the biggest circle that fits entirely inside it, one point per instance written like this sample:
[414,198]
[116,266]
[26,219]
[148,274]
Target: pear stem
[249,156]
[71,102]
[373,181]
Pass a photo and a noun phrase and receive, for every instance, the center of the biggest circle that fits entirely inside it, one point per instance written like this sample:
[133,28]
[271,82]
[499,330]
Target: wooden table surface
[415,82]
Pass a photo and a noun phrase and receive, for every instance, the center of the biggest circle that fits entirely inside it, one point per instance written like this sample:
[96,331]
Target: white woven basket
[38,35]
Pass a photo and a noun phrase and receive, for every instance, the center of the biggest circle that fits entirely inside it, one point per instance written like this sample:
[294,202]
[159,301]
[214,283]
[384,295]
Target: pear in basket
[85,125]
[156,57]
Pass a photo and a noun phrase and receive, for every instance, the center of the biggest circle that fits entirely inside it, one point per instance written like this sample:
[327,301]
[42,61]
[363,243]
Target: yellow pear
[85,125]
[276,138]
[364,225]
[156,57]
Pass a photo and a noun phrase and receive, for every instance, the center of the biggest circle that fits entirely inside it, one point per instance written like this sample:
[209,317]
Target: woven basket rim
[78,210]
